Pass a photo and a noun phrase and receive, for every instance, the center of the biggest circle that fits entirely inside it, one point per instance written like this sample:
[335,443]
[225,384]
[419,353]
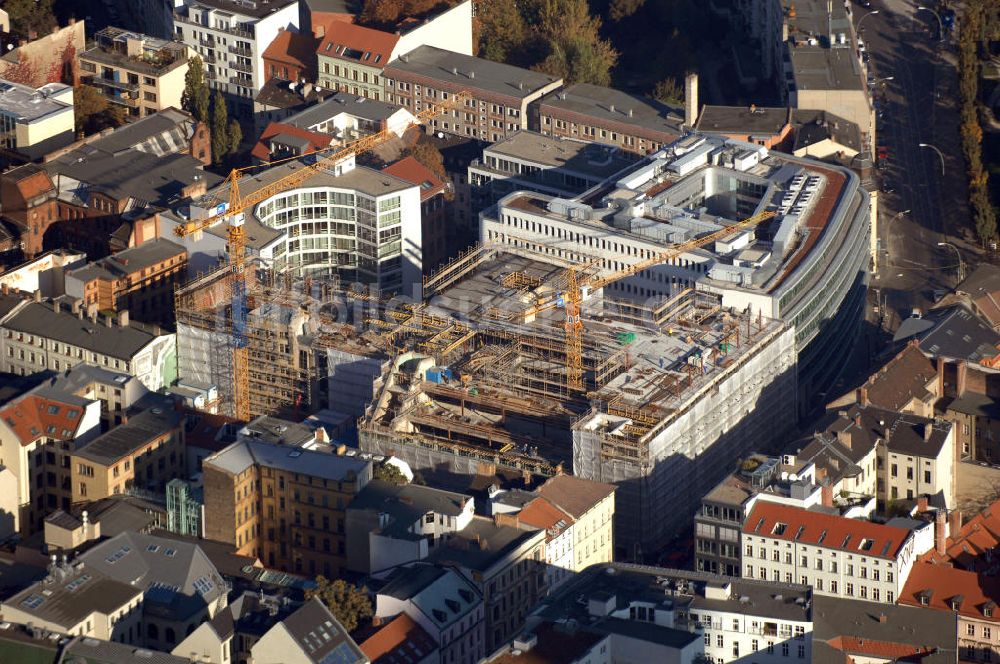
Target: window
[802,652]
[970,630]
[719,641]
[987,633]
[784,650]
[850,590]
[927,476]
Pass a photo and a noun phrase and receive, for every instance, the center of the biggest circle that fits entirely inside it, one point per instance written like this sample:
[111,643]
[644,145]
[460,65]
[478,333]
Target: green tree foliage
[620,9]
[194,99]
[220,128]
[92,112]
[559,37]
[29,18]
[669,91]
[388,473]
[235,135]
[350,605]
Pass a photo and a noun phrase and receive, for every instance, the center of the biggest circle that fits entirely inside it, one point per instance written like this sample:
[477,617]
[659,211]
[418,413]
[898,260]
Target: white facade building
[230,37]
[837,556]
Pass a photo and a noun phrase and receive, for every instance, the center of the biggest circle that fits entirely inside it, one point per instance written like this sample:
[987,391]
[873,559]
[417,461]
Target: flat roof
[29,104]
[818,68]
[595,102]
[750,120]
[341,102]
[253,8]
[482,543]
[130,436]
[157,56]
[459,72]
[566,154]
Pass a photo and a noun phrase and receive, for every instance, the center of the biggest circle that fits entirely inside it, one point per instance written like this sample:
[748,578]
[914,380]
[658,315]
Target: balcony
[207,40]
[238,32]
[100,81]
[240,66]
[245,82]
[241,50]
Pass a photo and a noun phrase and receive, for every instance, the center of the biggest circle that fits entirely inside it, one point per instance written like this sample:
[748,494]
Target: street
[920,206]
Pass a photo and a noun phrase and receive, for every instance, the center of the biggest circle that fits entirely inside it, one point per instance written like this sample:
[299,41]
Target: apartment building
[345,117]
[138,72]
[311,634]
[145,452]
[389,525]
[352,58]
[499,94]
[231,37]
[448,606]
[558,527]
[837,556]
[434,194]
[285,506]
[38,336]
[38,432]
[291,57]
[34,121]
[140,280]
[29,203]
[604,115]
[507,565]
[592,506]
[75,601]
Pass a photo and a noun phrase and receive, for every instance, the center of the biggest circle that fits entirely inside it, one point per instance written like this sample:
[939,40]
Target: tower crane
[575,283]
[234,212]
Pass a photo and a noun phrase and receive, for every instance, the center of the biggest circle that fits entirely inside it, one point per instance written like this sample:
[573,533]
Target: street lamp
[939,153]
[938,17]
[857,26]
[961,263]
[888,232]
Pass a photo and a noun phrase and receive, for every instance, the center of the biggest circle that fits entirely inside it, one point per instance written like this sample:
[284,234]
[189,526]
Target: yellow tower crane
[233,213]
[573,297]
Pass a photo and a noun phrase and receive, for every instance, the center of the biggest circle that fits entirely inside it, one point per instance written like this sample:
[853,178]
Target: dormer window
[987,611]
[779,528]
[866,545]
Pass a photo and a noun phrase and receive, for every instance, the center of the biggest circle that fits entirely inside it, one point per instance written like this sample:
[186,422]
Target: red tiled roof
[316,140]
[341,36]
[205,431]
[293,48]
[540,513]
[35,184]
[818,529]
[411,170]
[942,583]
[574,495]
[904,377]
[886,650]
[399,641]
[980,534]
[31,418]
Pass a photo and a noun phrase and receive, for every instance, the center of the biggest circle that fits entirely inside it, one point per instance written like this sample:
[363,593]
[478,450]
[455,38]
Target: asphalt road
[919,206]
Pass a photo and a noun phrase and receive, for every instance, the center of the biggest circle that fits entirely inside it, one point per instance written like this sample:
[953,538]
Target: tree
[194,99]
[235,135]
[87,102]
[388,472]
[350,605]
[577,52]
[503,30]
[428,155]
[220,128]
[620,9]
[30,18]
[669,91]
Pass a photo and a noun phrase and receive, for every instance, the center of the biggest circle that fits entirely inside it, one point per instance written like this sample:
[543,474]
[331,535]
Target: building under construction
[674,389]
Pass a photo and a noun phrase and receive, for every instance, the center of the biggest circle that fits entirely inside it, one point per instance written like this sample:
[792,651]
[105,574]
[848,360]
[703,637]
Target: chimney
[92,312]
[922,503]
[961,374]
[472,74]
[939,535]
[826,494]
[844,438]
[857,420]
[954,522]
[319,31]
[863,396]
[38,296]
[55,305]
[611,108]
[75,307]
[4,288]
[928,431]
[691,99]
[123,318]
[306,89]
[107,321]
[376,621]
[882,618]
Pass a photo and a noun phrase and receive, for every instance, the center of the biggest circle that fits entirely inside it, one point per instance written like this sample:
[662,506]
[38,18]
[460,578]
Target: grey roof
[256,10]
[455,71]
[979,405]
[241,455]
[321,636]
[96,651]
[957,333]
[834,617]
[406,504]
[175,575]
[515,497]
[29,104]
[670,589]
[406,582]
[277,431]
[275,94]
[110,49]
[126,438]
[115,341]
[750,120]
[358,107]
[567,154]
[443,595]
[483,543]
[608,105]
[646,631]
[133,259]
[146,160]
[813,126]
[74,596]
